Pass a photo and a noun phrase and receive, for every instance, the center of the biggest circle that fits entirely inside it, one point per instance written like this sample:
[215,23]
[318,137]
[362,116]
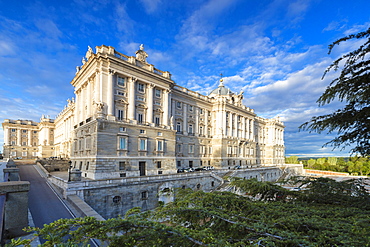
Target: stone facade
[27,139]
[130,119]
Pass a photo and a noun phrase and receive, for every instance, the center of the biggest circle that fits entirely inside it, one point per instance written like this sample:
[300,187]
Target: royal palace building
[130,119]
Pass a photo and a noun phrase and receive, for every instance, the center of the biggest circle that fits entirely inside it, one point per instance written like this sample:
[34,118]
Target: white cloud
[151,6]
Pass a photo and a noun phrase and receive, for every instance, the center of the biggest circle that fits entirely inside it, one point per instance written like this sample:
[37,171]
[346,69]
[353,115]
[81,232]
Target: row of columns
[131,95]
[247,126]
[7,139]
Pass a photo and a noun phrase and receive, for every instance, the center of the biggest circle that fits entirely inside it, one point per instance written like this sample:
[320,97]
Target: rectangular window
[190,128]
[13,143]
[179,148]
[121,81]
[24,153]
[24,143]
[123,143]
[140,117]
[157,93]
[144,195]
[201,130]
[178,163]
[87,143]
[35,132]
[120,115]
[159,164]
[141,87]
[159,134]
[191,148]
[122,129]
[142,145]
[160,145]
[178,104]
[178,126]
[210,150]
[191,108]
[157,120]
[122,165]
[14,130]
[142,131]
[24,131]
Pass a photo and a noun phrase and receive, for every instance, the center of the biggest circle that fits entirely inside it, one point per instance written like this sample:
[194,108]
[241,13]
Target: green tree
[332,161]
[311,163]
[197,218]
[351,123]
[291,160]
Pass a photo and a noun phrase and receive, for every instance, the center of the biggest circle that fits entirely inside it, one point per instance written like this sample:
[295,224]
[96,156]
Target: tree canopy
[352,86]
[323,213]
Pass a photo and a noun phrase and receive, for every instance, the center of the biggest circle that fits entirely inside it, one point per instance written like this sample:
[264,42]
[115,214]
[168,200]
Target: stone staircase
[225,181]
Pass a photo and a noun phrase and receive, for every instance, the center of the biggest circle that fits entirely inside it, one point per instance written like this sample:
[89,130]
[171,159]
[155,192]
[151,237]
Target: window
[191,148]
[122,175]
[116,199]
[24,131]
[35,132]
[123,143]
[121,81]
[160,172]
[14,130]
[142,144]
[201,111]
[157,121]
[159,134]
[160,145]
[178,126]
[201,130]
[24,143]
[120,115]
[190,128]
[191,108]
[24,153]
[178,163]
[140,117]
[178,104]
[179,148]
[142,131]
[159,164]
[88,143]
[122,165]
[210,150]
[144,195]
[141,87]
[13,143]
[122,129]
[157,93]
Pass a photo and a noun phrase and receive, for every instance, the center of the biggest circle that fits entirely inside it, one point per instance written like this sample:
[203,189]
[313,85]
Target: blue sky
[275,51]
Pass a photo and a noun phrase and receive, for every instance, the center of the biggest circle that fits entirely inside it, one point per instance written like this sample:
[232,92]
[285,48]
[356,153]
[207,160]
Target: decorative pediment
[159,110]
[141,106]
[121,102]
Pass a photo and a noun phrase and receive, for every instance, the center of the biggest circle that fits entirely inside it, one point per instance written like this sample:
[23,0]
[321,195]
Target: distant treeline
[353,165]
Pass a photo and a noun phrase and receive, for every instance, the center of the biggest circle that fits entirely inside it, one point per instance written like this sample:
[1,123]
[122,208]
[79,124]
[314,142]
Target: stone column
[19,137]
[185,118]
[149,113]
[110,93]
[205,131]
[230,124]
[88,113]
[252,130]
[131,98]
[235,125]
[29,132]
[196,127]
[6,136]
[166,106]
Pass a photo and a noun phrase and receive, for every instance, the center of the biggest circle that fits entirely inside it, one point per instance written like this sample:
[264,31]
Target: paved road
[44,205]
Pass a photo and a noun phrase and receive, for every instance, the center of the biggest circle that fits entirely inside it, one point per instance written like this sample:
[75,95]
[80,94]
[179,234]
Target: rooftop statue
[141,55]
